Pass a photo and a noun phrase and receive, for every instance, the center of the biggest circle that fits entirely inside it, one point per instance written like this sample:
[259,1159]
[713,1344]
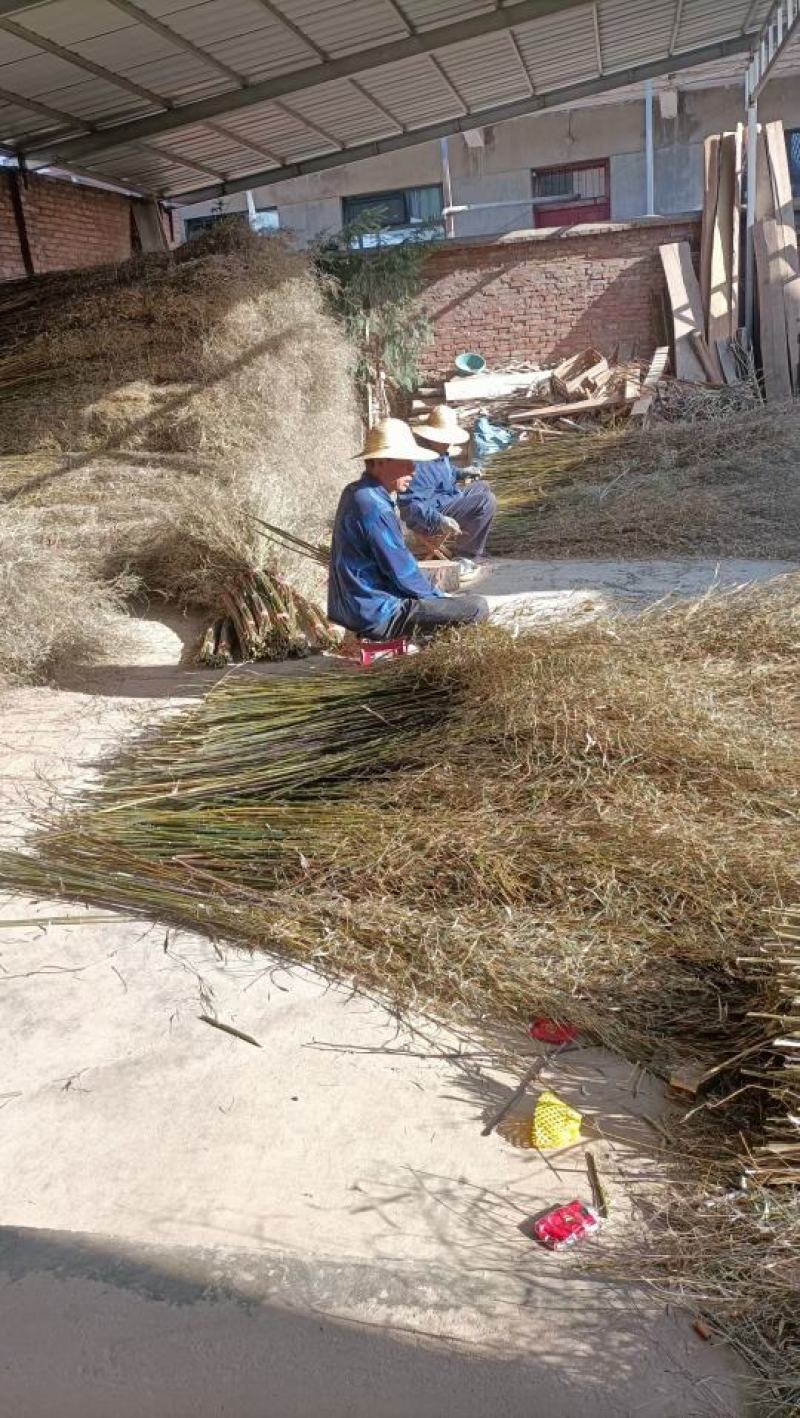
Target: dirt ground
[193,1226]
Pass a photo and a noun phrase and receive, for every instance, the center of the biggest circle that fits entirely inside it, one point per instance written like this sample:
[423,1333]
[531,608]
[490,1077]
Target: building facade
[585,164]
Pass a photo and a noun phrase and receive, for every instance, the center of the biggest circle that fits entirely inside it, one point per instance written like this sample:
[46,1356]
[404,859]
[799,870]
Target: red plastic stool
[373,651]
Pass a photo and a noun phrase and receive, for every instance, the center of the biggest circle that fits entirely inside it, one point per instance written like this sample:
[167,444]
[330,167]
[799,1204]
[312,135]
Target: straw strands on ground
[714,487]
[592,821]
[153,410]
[603,832]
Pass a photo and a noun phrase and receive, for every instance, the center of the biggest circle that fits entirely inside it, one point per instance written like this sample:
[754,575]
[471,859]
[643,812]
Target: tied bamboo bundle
[714,487]
[266,620]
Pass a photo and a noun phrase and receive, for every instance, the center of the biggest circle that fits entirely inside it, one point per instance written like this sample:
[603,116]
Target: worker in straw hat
[434,504]
[376,587]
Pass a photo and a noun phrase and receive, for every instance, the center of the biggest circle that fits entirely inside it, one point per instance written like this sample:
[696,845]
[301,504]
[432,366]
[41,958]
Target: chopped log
[687,308]
[659,365]
[443,574]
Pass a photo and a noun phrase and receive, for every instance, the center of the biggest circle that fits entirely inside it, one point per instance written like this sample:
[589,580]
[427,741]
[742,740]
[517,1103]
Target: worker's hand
[449,524]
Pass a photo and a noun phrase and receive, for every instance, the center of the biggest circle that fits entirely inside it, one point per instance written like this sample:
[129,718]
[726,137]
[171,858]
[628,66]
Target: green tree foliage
[374,291]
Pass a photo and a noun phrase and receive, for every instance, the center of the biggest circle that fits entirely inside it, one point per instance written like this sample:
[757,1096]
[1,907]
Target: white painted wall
[310,207]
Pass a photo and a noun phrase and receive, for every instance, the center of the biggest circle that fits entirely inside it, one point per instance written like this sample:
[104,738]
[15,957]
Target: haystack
[153,409]
[728,486]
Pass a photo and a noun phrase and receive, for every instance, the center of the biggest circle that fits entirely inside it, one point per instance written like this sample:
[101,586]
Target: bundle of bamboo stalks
[266,620]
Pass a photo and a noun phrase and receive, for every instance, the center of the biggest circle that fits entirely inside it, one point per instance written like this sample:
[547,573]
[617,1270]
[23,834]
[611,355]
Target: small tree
[374,291]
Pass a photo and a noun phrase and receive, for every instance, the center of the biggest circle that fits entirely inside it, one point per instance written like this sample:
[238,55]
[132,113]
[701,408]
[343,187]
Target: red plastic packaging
[564,1225]
[549,1031]
[374,650]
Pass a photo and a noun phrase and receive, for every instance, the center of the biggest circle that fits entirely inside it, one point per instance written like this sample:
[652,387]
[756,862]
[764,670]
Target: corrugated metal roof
[134,70]
[554,55]
[414,92]
[706,20]
[623,41]
[486,71]
[345,26]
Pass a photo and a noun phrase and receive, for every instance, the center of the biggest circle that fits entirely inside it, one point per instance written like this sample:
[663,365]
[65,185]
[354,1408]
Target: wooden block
[443,574]
[772,272]
[659,365]
[687,308]
[632,387]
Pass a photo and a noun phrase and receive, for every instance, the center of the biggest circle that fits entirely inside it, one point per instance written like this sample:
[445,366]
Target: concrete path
[193,1226]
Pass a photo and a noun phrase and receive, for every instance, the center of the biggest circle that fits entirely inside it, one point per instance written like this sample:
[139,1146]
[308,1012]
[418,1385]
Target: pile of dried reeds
[52,611]
[726,486]
[155,409]
[592,821]
[620,798]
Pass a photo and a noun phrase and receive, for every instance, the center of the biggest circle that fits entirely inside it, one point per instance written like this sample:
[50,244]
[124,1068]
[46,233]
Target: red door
[584,187]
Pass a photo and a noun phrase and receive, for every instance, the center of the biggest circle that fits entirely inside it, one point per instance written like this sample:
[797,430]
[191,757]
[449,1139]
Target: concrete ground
[193,1226]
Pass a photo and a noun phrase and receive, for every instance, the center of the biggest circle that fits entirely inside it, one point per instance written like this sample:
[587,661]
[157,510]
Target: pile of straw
[52,611]
[606,827]
[592,821]
[715,487]
[153,410]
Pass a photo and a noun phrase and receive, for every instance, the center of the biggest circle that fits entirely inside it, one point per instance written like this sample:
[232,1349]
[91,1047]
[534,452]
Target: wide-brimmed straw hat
[442,427]
[392,438]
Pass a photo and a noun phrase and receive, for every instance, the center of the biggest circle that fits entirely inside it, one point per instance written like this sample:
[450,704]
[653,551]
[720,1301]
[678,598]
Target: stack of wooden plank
[709,344]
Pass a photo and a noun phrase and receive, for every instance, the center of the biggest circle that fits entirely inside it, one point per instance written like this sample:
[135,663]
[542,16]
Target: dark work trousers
[473,510]
[436,613]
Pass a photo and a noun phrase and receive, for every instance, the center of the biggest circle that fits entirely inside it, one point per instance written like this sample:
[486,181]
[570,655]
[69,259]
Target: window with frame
[266,220]
[793,154]
[403,213]
[581,182]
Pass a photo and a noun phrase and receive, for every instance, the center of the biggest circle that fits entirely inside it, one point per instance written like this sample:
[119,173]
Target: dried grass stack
[152,409]
[714,486]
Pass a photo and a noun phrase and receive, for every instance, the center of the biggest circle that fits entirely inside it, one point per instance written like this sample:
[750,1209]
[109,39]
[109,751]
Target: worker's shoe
[467,570]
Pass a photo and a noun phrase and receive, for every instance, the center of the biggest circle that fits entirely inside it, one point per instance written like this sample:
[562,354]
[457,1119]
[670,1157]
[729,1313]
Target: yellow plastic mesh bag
[554,1124]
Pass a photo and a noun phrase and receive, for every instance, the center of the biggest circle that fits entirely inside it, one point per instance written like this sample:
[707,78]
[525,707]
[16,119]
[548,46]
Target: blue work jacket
[432,487]
[372,570]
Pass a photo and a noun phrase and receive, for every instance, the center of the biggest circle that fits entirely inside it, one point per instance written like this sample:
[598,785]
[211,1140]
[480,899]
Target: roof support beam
[520,12]
[69,121]
[50,47]
[11,7]
[476,118]
[150,22]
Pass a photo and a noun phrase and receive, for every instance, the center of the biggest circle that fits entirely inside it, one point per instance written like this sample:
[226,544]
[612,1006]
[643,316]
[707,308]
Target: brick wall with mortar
[68,225]
[543,295]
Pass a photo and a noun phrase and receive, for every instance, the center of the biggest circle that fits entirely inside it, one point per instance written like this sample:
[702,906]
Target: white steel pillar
[649,150]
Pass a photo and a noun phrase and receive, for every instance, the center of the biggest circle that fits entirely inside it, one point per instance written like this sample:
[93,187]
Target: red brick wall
[544,295]
[68,225]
